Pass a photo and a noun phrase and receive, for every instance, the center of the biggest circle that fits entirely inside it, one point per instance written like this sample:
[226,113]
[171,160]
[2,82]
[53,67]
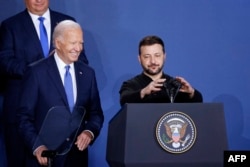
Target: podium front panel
[132,136]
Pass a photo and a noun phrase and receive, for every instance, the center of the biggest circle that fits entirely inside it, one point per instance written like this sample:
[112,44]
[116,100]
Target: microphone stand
[172,89]
[171,95]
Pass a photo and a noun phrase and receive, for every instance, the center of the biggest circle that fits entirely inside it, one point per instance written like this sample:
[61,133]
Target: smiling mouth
[74,54]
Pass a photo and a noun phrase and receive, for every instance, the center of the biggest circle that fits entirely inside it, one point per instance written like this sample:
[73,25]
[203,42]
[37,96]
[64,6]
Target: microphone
[172,87]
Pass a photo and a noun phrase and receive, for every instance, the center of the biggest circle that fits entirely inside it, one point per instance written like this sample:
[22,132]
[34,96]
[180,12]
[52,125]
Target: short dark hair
[151,40]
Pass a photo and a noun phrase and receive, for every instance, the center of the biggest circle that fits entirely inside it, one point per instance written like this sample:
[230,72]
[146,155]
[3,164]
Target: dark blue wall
[207,42]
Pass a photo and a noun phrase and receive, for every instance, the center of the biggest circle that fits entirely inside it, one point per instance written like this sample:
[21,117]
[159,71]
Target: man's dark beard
[147,71]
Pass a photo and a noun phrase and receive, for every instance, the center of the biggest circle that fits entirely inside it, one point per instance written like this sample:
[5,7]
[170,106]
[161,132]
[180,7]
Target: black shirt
[130,92]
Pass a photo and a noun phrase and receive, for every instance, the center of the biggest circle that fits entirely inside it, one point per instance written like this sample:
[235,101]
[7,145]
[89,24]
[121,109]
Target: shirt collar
[34,17]
[60,63]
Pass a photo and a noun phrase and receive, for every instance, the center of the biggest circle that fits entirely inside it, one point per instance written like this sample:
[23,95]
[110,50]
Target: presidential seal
[176,132]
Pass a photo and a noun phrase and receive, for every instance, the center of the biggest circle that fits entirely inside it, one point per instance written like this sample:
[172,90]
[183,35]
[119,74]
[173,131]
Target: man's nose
[152,60]
[78,47]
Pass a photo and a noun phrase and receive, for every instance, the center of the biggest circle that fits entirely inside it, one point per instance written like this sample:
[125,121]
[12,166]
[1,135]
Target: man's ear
[165,56]
[57,43]
[139,59]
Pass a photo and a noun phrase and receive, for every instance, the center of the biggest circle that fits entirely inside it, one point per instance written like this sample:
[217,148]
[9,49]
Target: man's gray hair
[63,26]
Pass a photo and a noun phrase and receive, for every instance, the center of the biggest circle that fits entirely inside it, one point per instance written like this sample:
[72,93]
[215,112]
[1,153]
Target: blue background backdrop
[207,42]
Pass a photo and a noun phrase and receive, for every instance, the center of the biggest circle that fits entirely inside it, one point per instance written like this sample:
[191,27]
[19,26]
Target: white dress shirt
[46,22]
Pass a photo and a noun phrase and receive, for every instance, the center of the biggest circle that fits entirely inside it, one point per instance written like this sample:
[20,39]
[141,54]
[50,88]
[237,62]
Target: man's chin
[73,59]
[153,72]
[74,56]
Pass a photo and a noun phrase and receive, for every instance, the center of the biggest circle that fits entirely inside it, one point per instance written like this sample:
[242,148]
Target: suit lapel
[54,75]
[52,26]
[53,23]
[31,31]
[55,78]
[79,78]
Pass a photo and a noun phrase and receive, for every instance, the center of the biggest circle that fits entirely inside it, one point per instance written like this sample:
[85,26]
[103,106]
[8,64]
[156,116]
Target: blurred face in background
[37,7]
[152,59]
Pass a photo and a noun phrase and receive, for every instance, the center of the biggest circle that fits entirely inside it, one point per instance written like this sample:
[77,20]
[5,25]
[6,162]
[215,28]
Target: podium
[132,136]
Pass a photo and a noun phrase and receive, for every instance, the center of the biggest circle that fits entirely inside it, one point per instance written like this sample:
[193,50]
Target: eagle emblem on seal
[176,132]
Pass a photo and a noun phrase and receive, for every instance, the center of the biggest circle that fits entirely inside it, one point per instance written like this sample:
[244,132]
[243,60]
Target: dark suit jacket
[43,89]
[19,47]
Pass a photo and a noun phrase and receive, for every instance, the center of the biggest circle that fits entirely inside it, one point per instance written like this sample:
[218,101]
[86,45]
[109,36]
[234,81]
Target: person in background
[2,146]
[20,45]
[153,85]
[43,88]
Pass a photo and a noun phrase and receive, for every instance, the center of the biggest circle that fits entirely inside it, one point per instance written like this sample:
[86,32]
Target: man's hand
[186,87]
[83,140]
[153,86]
[38,153]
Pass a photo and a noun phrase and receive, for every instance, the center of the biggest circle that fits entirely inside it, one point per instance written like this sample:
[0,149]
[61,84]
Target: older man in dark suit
[44,87]
[20,46]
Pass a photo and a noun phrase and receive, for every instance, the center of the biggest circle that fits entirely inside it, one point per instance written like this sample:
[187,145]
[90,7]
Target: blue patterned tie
[43,37]
[69,88]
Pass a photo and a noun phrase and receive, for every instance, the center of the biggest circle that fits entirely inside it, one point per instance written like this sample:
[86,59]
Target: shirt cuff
[34,152]
[92,134]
